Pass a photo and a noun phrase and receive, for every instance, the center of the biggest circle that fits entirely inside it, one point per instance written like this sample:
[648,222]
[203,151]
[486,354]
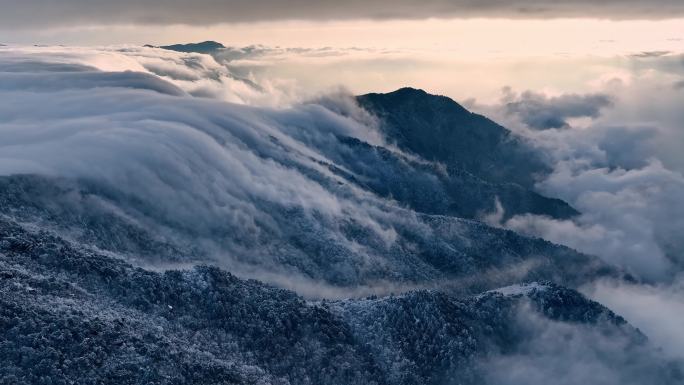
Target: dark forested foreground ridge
[152,236]
[75,316]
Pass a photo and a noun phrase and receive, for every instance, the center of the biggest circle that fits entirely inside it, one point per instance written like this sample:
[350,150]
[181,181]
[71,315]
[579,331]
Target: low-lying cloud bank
[195,74]
[631,218]
[656,309]
[616,159]
[622,167]
[575,354]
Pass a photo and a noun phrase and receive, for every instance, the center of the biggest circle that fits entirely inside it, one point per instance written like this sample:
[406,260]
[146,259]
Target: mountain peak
[439,129]
[410,91]
[419,100]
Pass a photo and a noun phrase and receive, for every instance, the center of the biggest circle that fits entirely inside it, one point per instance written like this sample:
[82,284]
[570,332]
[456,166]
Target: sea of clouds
[207,144]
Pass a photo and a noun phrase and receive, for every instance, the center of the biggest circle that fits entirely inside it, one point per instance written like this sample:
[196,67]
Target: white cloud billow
[620,169]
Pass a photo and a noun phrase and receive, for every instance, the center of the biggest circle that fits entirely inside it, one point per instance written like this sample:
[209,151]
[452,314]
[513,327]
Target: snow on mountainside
[73,315]
[520,289]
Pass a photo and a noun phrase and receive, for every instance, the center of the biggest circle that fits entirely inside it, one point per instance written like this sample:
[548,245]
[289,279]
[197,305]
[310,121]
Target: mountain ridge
[152,237]
[97,317]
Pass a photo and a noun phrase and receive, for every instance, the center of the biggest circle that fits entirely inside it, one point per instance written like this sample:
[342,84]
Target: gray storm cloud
[41,13]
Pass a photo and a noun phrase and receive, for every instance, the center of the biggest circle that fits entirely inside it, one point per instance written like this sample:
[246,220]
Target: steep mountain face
[70,315]
[439,129]
[429,188]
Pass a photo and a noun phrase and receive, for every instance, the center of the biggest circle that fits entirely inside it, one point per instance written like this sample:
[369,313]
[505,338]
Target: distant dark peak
[203,47]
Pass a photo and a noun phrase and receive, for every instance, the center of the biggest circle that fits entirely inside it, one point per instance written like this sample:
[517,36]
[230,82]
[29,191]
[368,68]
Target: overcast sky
[41,13]
[470,27]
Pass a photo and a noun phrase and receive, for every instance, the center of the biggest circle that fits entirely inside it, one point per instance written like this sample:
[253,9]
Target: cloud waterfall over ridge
[206,165]
[131,141]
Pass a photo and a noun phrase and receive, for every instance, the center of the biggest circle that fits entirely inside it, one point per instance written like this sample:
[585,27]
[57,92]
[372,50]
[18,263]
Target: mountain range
[206,243]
